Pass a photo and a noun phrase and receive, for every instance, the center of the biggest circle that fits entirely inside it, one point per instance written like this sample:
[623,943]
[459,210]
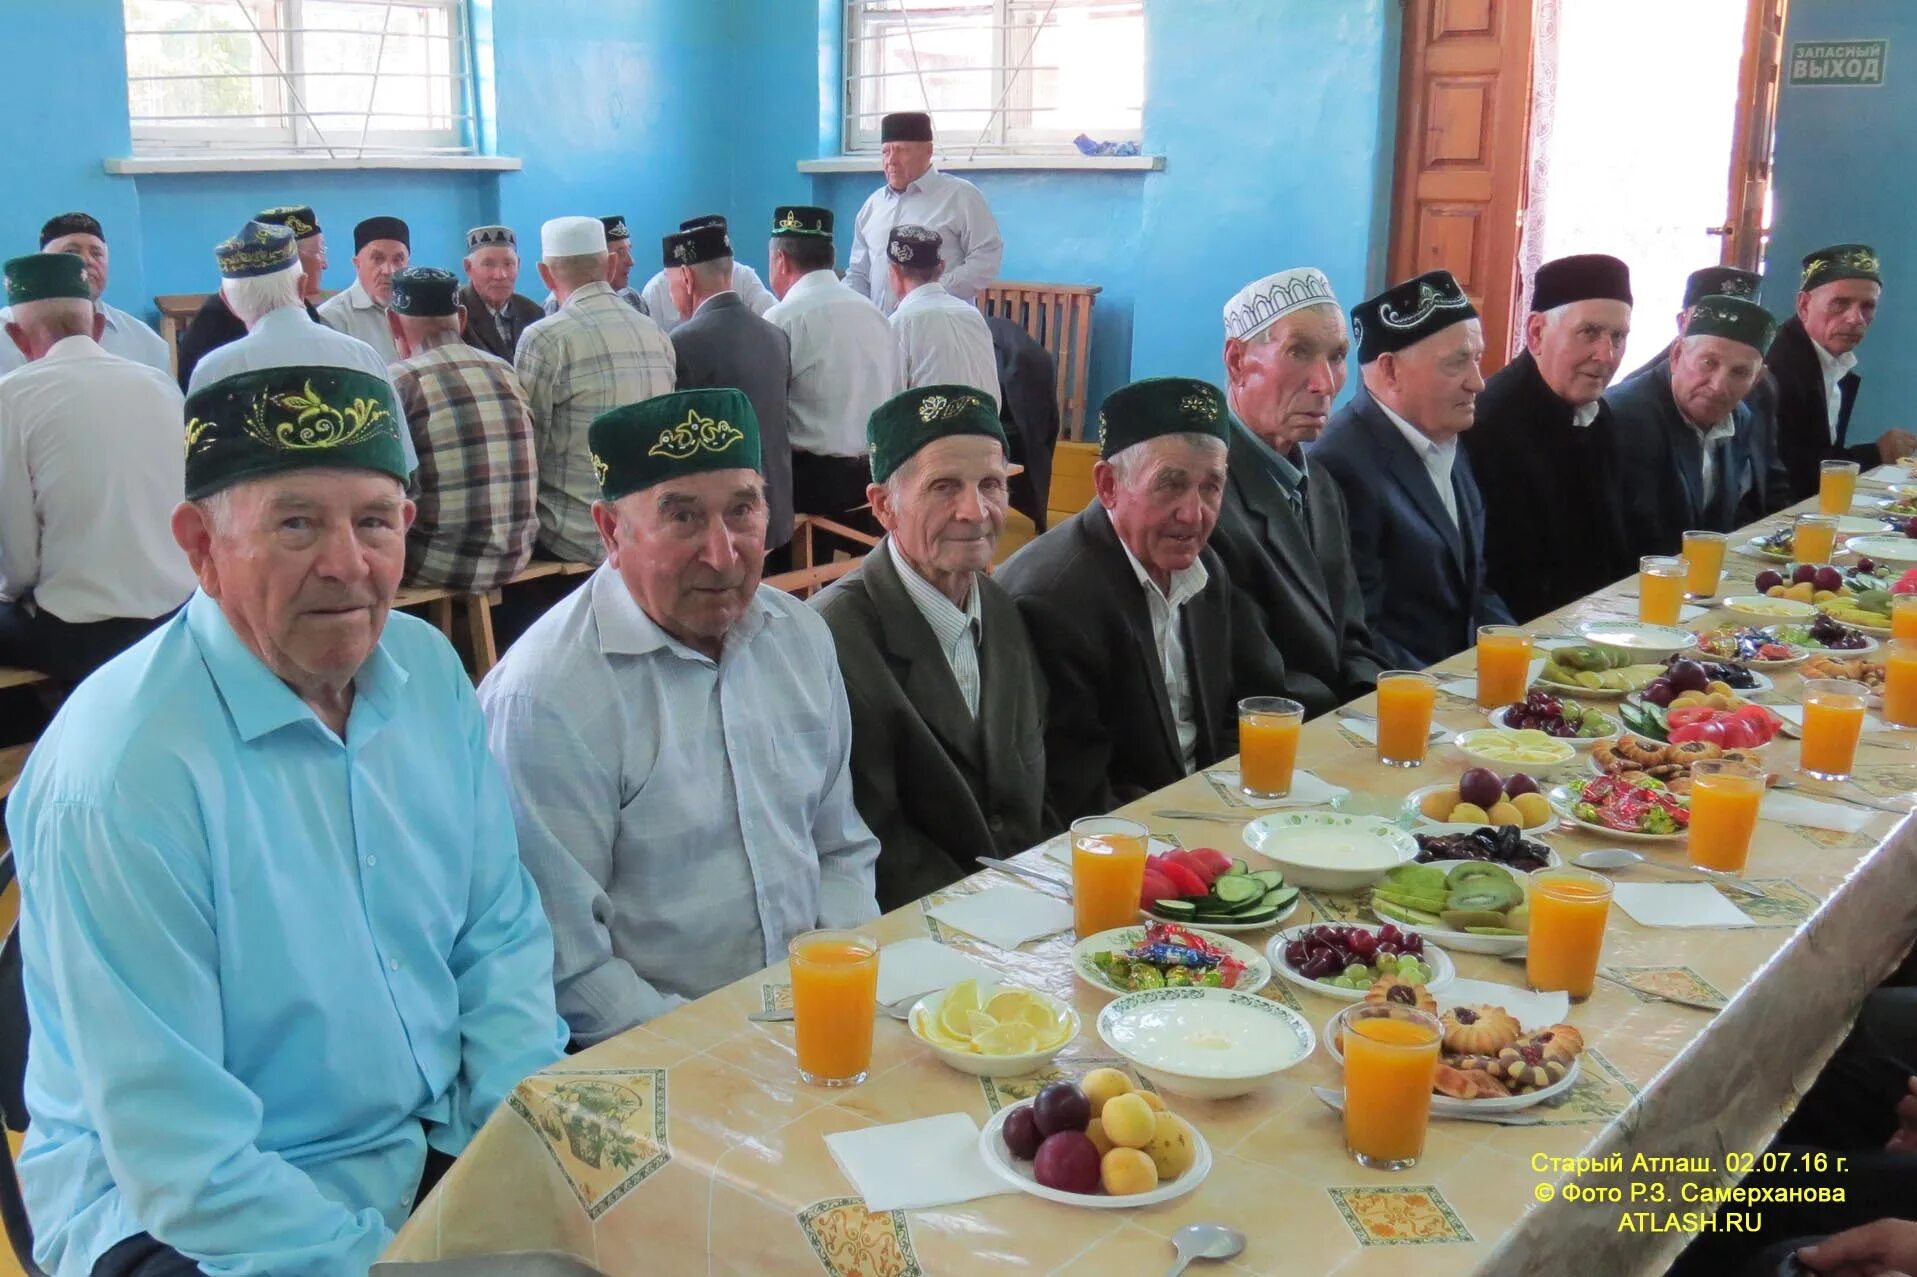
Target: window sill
[215,163]
[951,163]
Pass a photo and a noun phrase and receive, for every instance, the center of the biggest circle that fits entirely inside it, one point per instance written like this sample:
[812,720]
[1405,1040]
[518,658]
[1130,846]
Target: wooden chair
[1071,479]
[11,677]
[176,312]
[475,611]
[1059,318]
[12,759]
[806,577]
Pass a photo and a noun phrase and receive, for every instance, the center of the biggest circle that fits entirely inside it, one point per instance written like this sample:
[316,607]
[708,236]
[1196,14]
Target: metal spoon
[1612,859]
[900,1010]
[1204,1241]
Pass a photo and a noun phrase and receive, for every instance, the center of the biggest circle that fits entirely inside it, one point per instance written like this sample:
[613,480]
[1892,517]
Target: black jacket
[1803,414]
[937,786]
[1028,410]
[1422,575]
[1109,732]
[482,330]
[1553,515]
[1303,584]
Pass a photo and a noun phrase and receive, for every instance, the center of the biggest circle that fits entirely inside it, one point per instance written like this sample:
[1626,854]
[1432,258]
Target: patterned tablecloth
[689,1145]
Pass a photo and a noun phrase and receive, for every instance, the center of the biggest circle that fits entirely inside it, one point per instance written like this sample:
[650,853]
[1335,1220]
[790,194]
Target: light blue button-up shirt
[265,966]
[684,817]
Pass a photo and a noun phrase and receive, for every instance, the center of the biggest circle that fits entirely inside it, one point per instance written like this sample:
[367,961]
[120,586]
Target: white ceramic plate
[1755,546]
[1655,642]
[1421,824]
[1279,835]
[1447,1106]
[1464,941]
[1257,973]
[1247,1040]
[991,1145]
[1896,549]
[1442,968]
[1579,693]
[1471,743]
[1851,525]
[1496,719]
[1898,507]
[1562,799]
[991,1065]
[1875,631]
[1232,928]
[1761,685]
[1803,654]
[1761,609]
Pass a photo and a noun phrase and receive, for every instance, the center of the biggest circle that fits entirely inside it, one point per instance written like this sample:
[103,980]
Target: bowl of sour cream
[1330,850]
[1206,1044]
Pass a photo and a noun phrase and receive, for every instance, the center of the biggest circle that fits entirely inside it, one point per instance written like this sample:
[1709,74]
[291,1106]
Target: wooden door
[1744,230]
[1464,110]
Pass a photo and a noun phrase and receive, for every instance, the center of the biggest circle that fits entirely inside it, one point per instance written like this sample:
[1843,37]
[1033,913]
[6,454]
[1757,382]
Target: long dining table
[689,1145]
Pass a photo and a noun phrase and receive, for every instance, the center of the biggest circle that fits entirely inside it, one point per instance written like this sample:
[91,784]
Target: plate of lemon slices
[993,1030]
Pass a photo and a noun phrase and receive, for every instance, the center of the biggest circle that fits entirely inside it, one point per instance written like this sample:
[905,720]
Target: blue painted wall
[1846,170]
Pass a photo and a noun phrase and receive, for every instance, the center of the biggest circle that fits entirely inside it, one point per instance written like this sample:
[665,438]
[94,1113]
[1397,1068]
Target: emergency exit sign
[1847,63]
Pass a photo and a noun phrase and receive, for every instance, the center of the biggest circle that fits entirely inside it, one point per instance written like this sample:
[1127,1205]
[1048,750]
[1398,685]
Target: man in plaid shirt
[594,355]
[475,486]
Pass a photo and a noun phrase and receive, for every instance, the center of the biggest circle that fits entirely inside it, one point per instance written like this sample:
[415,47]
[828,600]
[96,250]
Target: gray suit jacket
[725,344]
[937,786]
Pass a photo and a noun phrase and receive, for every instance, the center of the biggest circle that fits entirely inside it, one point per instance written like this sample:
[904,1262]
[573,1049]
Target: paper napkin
[1059,849]
[1306,791]
[1533,1010]
[913,967]
[1367,729]
[1888,474]
[933,1161]
[1795,809]
[1678,904]
[1794,715]
[1005,916]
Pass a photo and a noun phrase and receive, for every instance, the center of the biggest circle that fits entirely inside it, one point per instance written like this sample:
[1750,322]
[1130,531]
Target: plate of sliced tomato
[1747,728]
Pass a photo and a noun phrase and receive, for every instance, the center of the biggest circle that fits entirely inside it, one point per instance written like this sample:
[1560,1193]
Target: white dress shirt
[1438,458]
[943,341]
[90,470]
[969,242]
[959,630]
[287,337]
[1835,368]
[1584,414]
[125,336]
[1167,636]
[355,313]
[1725,429]
[683,817]
[843,364]
[745,282]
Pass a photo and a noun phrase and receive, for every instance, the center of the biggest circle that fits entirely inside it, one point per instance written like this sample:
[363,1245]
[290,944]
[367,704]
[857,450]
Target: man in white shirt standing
[125,336]
[915,192]
[662,304]
[381,245]
[941,340]
[89,475]
[843,367]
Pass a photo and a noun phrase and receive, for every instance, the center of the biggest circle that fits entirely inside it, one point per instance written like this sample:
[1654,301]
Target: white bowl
[1473,744]
[1562,801]
[1018,1173]
[1896,549]
[993,1065]
[1761,609]
[1208,1044]
[1496,719]
[1256,975]
[1368,845]
[1652,642]
[1443,970]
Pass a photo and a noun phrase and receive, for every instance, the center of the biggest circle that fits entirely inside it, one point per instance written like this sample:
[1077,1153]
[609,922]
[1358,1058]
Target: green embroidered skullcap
[259,249]
[42,276]
[906,422]
[1732,317]
[425,292]
[802,219]
[297,218]
[687,432]
[254,424]
[1841,261]
[1159,406]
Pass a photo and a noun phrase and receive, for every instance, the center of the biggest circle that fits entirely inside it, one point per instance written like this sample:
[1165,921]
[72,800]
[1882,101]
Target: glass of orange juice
[835,990]
[1704,551]
[1268,744]
[1568,911]
[1814,538]
[1406,699]
[1833,720]
[1108,871]
[1724,800]
[1836,486]
[1504,664]
[1660,588]
[1903,616]
[1900,681]
[1391,1060]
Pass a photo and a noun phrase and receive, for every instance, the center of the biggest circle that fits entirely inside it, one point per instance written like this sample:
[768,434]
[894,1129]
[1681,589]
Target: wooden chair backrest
[1059,318]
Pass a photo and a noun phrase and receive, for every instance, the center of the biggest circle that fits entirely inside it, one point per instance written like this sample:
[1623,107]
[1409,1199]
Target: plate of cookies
[1504,1048]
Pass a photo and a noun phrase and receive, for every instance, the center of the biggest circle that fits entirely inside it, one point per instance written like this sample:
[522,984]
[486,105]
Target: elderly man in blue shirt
[676,735]
[279,949]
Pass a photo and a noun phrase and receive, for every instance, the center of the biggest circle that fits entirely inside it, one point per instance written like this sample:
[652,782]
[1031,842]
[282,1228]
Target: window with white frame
[997,76]
[339,78]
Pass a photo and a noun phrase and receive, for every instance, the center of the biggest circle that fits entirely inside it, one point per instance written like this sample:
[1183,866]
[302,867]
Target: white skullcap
[572,237]
[1259,305]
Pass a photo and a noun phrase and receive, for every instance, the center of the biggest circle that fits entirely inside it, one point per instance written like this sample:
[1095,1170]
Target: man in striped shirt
[594,355]
[476,484]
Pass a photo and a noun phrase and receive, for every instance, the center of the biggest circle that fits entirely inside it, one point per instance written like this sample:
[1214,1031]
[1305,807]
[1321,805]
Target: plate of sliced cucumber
[1238,898]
